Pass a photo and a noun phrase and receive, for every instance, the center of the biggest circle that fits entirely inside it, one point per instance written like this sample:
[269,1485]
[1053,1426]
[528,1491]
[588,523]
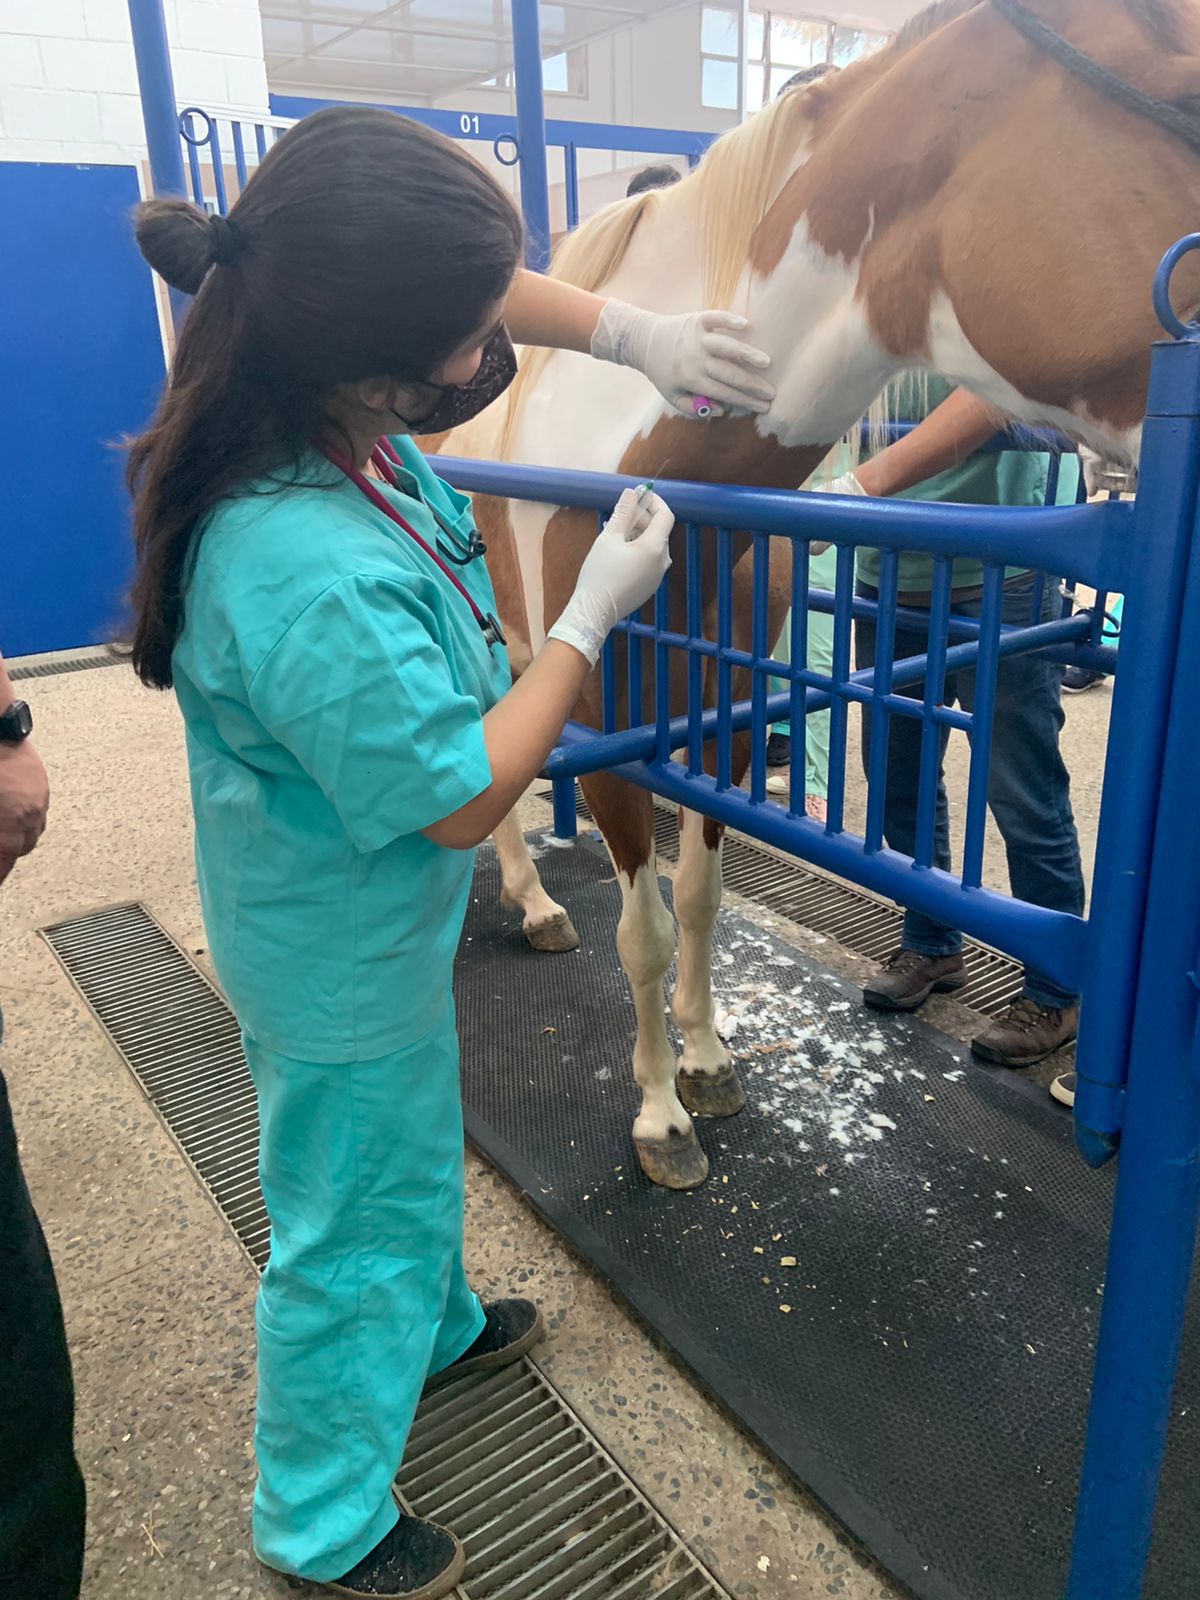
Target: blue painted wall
[81,365]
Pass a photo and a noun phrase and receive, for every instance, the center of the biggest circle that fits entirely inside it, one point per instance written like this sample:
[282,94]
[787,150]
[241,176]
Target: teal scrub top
[1007,478]
[332,683]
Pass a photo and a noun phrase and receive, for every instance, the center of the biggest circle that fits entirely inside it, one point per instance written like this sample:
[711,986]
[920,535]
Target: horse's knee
[646,931]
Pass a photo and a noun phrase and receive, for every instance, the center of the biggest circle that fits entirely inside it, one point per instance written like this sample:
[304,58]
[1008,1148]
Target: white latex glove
[847,484]
[692,360]
[622,571]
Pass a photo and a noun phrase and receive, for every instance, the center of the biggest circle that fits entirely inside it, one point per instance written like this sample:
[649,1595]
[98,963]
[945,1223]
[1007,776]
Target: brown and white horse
[962,201]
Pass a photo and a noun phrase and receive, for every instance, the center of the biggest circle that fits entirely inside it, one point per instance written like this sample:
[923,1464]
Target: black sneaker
[1078,679]
[779,750]
[512,1329]
[416,1560]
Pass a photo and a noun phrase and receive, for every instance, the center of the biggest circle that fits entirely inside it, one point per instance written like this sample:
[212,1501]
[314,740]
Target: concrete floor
[159,1294]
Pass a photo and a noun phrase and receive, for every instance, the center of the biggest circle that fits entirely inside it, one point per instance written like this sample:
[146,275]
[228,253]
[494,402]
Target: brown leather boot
[907,979]
[1026,1033]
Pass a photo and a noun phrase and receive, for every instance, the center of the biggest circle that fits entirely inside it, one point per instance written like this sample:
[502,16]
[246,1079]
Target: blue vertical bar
[1052,472]
[566,818]
[798,663]
[608,684]
[843,601]
[637,715]
[881,727]
[531,132]
[193,157]
[260,140]
[695,663]
[239,155]
[662,674]
[930,761]
[160,117]
[571,184]
[157,89]
[724,671]
[218,165]
[1157,1201]
[981,726]
[1156,563]
[1098,614]
[760,650]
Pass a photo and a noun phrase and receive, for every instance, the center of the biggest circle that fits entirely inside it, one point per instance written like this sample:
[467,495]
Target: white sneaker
[1063,1089]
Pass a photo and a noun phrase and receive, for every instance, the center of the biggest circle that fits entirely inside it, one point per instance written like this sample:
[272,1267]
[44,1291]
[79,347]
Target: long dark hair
[365,246]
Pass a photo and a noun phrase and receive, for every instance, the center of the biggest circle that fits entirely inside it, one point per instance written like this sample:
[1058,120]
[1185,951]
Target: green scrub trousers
[822,572]
[361,1165]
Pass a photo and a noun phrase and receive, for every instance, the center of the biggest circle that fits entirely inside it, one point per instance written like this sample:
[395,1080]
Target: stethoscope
[454,547]
[385,460]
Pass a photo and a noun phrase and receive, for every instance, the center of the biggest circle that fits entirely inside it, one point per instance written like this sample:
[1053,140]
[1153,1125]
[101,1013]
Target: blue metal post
[160,116]
[1155,553]
[157,88]
[1158,1182]
[566,820]
[531,131]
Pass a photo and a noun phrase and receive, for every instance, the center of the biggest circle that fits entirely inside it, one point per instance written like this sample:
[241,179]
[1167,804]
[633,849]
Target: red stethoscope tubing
[385,458]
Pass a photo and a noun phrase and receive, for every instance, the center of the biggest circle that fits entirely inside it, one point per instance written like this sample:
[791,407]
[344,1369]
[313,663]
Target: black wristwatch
[16,724]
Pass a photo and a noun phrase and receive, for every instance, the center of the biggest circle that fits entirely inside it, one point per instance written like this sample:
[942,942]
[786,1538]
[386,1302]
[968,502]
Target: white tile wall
[68,82]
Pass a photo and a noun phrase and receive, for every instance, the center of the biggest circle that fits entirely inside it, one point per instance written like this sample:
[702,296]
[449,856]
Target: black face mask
[459,402]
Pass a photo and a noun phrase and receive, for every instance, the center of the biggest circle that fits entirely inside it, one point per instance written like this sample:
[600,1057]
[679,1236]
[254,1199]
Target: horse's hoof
[676,1162]
[711,1094]
[556,934]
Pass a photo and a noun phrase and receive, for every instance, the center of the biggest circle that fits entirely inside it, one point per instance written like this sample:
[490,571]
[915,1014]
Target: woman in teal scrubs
[313,593]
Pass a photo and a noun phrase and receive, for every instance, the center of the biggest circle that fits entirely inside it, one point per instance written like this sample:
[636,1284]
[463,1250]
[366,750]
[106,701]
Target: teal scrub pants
[364,1295]
[822,573]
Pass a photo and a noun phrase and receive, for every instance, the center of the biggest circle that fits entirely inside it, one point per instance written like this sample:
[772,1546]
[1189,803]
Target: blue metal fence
[1136,958]
[222,152]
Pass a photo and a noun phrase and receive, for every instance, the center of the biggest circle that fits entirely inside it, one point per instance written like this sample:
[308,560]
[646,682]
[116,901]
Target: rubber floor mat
[893,1275]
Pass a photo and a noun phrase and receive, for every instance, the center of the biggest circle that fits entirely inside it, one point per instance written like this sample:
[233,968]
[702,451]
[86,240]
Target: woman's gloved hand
[847,484]
[688,357]
[622,570]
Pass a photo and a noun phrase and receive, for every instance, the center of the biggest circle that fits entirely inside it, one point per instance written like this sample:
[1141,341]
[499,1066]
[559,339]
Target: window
[776,48]
[565,73]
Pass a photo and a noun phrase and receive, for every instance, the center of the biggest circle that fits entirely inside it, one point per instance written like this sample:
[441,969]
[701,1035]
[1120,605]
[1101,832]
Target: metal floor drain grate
[853,919]
[68,661]
[544,1512]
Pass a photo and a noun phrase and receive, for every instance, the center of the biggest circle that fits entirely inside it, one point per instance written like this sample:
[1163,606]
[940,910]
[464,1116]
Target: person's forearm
[949,434]
[542,310]
[519,732]
[6,689]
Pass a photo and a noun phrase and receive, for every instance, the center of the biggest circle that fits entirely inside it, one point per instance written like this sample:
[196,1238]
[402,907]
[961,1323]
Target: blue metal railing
[1093,542]
[222,152]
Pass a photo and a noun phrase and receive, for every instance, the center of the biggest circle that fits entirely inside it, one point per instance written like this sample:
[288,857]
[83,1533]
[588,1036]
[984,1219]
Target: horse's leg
[707,1083]
[544,922]
[666,1141]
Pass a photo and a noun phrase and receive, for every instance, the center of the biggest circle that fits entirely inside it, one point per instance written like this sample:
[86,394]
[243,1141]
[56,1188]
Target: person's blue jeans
[1028,783]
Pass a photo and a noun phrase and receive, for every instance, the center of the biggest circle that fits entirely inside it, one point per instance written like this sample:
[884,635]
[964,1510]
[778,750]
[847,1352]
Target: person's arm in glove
[694,355]
[622,570]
